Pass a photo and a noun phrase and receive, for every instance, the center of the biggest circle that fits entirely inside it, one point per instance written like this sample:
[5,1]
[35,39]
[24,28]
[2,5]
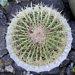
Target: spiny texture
[37,35]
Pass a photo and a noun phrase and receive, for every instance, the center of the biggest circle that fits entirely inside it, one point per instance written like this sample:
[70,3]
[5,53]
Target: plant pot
[72,6]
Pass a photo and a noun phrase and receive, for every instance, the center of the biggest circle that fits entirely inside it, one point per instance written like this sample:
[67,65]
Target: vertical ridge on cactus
[38,38]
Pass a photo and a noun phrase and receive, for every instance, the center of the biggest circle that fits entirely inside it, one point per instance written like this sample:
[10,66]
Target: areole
[38,38]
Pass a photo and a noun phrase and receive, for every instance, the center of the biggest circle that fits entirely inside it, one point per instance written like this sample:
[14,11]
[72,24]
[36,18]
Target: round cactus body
[38,38]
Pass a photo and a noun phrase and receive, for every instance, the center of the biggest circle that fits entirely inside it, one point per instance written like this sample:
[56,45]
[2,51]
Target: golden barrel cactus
[38,38]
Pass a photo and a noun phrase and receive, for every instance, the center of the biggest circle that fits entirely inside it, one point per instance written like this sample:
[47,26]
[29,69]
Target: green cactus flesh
[38,37]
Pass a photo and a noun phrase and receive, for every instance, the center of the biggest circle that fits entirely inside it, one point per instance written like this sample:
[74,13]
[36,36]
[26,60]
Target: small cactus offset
[38,38]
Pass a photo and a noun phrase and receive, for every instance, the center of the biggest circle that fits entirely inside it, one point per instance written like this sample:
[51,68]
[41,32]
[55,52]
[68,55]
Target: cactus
[38,38]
